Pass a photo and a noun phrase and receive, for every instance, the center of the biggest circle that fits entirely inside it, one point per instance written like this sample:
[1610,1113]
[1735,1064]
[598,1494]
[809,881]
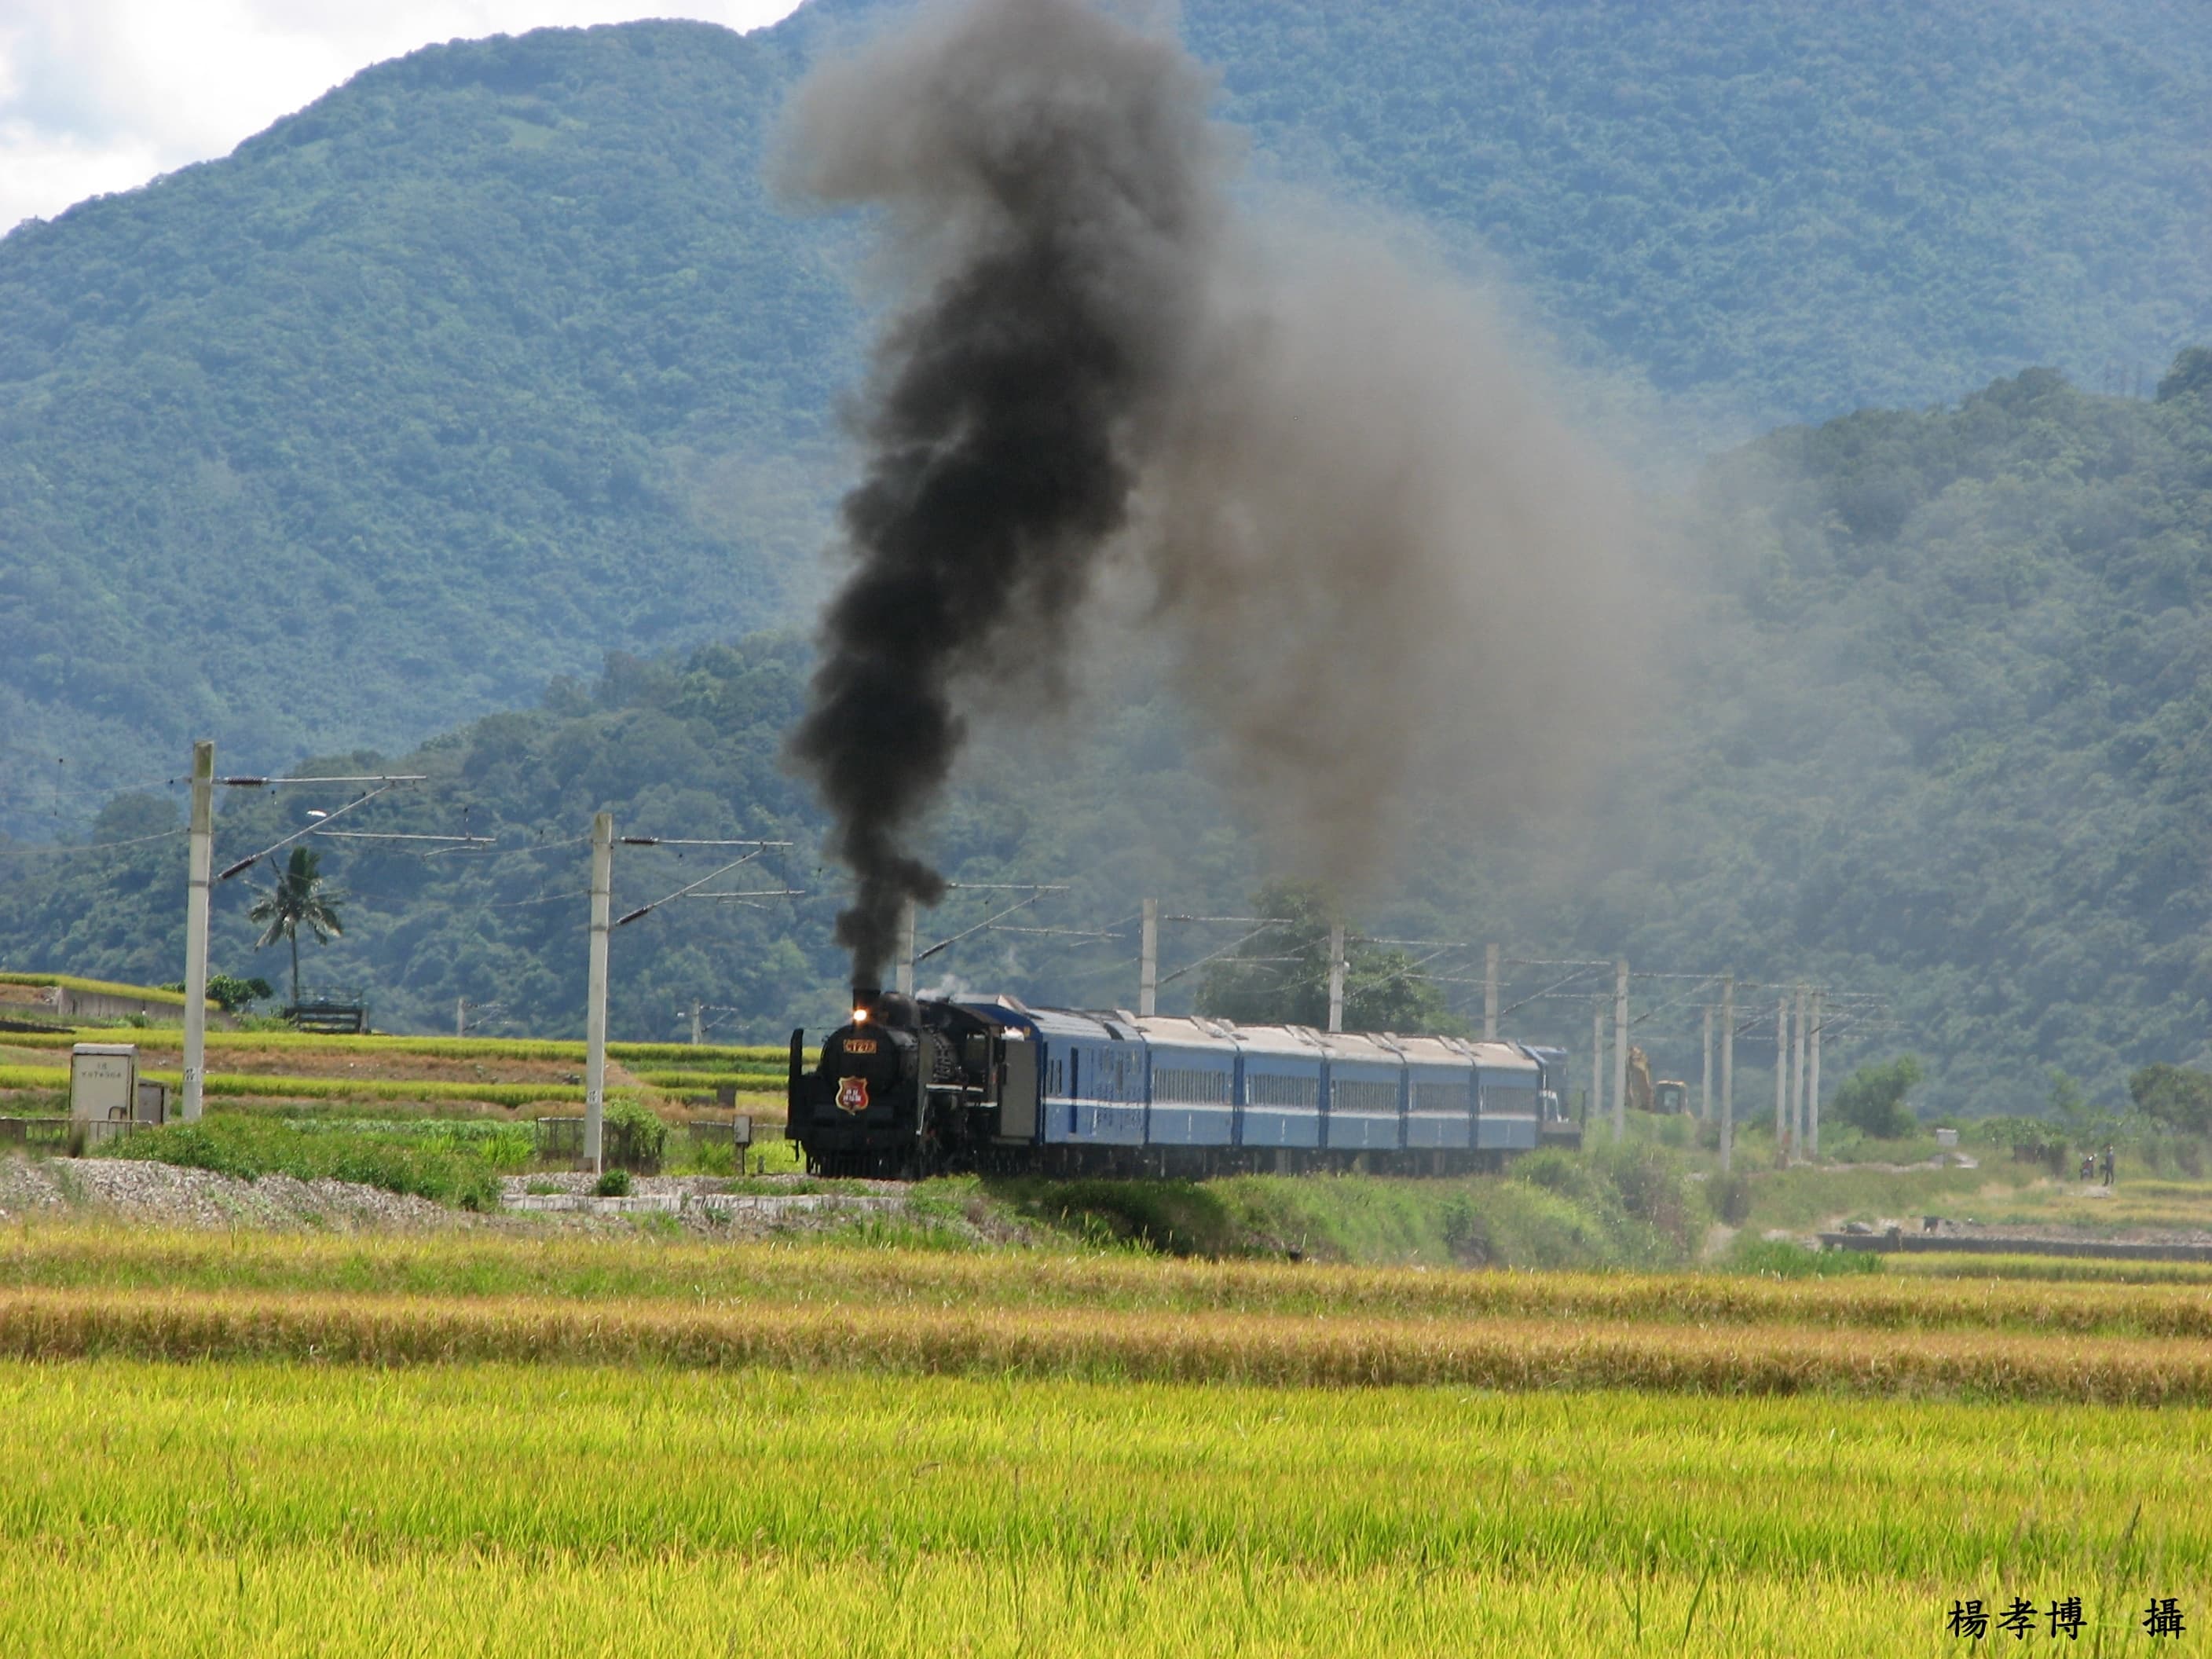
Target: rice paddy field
[469,1443]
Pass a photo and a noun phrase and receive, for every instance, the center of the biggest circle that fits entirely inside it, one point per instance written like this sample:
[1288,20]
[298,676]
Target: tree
[1280,977]
[2175,1096]
[230,993]
[1872,1098]
[300,899]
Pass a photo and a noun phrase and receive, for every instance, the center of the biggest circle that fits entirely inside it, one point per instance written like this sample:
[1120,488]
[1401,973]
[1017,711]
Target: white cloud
[100,95]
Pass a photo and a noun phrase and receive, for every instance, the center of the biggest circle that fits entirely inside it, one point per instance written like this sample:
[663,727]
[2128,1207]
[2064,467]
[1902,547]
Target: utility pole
[199,870]
[1597,1062]
[1782,1076]
[1336,977]
[698,1025]
[1621,1050]
[1797,1066]
[1148,961]
[1814,1088]
[460,1017]
[1490,994]
[1705,1077]
[595,989]
[904,983]
[1728,1073]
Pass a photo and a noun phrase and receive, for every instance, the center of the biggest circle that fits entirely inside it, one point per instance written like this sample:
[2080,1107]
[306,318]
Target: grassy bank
[1634,1206]
[450,1160]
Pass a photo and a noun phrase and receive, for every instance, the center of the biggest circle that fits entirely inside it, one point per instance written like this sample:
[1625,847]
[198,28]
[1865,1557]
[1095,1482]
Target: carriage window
[1190,1086]
[1347,1096]
[1270,1089]
[1440,1096]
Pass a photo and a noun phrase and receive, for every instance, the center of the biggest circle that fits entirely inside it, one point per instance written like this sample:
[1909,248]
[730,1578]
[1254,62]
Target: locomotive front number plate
[860,1045]
[852,1095]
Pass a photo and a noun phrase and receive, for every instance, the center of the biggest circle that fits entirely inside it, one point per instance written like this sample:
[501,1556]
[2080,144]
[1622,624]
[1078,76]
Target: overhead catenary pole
[1148,961]
[905,972]
[1728,1073]
[1336,977]
[199,870]
[1782,1076]
[1814,1087]
[595,990]
[1620,1049]
[1490,994]
[1597,1061]
[1705,1075]
[1797,1075]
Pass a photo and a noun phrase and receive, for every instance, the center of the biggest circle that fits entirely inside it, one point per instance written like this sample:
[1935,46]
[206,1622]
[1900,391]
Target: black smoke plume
[1374,552]
[1050,177]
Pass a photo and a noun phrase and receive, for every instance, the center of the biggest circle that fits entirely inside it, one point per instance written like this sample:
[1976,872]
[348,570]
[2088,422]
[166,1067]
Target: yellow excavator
[1667,1095]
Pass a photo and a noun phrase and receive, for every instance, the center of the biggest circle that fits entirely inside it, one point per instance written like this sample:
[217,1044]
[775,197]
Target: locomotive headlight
[860,1017]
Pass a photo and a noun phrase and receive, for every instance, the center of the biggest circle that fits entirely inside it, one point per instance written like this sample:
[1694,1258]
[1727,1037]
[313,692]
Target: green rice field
[263,1444]
[311,1508]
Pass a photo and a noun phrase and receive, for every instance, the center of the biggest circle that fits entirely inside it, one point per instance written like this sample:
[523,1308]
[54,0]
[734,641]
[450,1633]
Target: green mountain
[500,357]
[491,360]
[1937,730]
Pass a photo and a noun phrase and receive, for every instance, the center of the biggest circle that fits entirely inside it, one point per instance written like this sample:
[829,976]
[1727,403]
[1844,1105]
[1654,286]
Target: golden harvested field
[629,1272]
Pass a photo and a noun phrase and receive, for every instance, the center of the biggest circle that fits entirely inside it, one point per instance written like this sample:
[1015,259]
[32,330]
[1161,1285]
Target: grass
[451,1162]
[269,1508]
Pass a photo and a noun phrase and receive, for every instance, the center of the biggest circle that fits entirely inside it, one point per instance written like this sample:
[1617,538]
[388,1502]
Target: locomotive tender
[916,1087]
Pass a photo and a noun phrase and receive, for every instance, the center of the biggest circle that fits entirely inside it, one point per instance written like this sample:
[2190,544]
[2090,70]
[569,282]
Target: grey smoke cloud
[1374,552]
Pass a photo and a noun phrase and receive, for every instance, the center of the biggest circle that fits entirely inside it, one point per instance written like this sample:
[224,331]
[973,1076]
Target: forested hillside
[501,356]
[1938,729]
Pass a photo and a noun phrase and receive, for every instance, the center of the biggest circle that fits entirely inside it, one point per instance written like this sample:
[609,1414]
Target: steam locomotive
[918,1087]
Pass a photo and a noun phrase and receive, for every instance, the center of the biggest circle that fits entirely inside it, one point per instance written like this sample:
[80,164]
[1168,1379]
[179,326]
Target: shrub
[614,1183]
[1729,1198]
[2175,1096]
[642,1128]
[1649,1185]
[1872,1098]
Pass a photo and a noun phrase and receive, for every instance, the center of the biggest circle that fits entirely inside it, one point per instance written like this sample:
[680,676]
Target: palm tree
[300,899]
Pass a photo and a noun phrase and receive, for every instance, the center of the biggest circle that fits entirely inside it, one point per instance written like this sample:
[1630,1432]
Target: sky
[101,95]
